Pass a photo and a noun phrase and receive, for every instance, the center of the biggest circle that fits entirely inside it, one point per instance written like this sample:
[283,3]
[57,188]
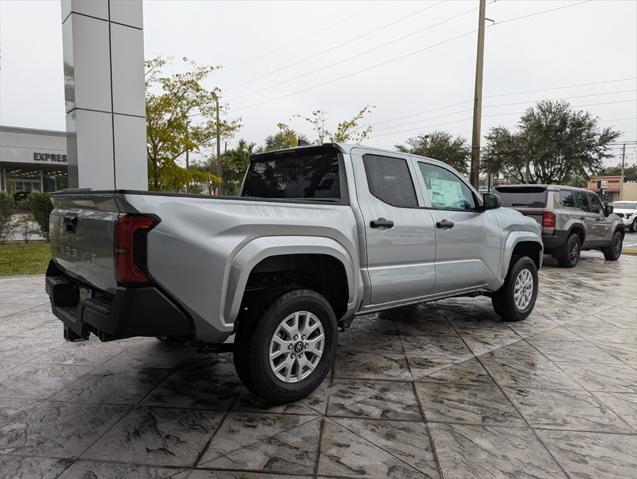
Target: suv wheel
[633,227]
[285,354]
[614,251]
[515,300]
[569,255]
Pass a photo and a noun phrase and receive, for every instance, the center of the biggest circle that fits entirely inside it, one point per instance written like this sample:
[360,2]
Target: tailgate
[82,230]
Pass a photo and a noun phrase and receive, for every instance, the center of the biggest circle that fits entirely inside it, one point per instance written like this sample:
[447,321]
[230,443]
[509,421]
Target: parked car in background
[627,211]
[572,220]
[318,235]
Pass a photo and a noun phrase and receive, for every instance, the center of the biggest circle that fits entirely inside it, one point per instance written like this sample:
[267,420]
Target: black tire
[254,336]
[504,299]
[633,227]
[614,251]
[568,255]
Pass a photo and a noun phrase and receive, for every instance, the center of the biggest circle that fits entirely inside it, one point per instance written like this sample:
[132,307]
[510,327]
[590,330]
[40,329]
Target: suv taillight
[130,248]
[548,220]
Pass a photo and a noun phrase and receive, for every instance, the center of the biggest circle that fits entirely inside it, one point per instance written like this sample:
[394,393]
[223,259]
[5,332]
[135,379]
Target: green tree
[41,208]
[234,163]
[442,146]
[630,172]
[352,130]
[180,117]
[286,137]
[553,144]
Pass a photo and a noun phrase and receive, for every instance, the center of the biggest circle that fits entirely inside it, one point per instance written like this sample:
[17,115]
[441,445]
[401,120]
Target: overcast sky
[409,59]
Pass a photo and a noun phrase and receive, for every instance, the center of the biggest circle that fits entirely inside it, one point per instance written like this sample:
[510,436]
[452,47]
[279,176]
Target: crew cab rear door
[400,234]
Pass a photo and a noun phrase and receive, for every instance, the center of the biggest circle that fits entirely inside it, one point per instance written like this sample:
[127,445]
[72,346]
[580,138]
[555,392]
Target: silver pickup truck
[317,236]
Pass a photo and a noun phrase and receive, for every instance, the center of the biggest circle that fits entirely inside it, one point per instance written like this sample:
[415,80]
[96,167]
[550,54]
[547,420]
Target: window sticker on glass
[446,194]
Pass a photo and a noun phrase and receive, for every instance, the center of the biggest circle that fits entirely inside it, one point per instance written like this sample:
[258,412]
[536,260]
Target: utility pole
[621,185]
[187,153]
[477,101]
[218,128]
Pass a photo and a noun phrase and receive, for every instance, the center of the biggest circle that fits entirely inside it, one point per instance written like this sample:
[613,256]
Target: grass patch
[24,258]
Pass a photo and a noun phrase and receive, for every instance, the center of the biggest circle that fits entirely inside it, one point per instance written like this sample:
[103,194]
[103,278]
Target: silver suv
[572,220]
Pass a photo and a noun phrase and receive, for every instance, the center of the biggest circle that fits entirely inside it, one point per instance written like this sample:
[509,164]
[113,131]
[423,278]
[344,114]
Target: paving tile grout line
[420,408]
[537,436]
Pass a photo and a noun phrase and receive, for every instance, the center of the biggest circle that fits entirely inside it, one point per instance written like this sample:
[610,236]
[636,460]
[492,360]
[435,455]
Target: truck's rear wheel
[515,300]
[284,354]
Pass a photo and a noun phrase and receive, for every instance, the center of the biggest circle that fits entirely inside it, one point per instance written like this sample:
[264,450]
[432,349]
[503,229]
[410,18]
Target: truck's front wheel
[515,300]
[285,353]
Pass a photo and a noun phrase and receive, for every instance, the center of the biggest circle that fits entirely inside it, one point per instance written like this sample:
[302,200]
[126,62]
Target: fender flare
[255,251]
[578,227]
[512,241]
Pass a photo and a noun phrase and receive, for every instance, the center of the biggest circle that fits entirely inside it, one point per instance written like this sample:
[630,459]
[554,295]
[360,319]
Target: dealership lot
[443,389]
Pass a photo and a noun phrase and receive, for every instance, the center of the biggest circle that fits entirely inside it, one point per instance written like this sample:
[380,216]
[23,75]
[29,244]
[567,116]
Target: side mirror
[490,201]
[608,210]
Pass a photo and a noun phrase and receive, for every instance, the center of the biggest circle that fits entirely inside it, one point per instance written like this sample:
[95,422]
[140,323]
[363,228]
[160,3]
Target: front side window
[596,204]
[581,201]
[446,190]
[389,180]
[566,199]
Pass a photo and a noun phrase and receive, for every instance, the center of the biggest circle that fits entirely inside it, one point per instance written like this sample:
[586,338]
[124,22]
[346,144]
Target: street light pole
[477,101]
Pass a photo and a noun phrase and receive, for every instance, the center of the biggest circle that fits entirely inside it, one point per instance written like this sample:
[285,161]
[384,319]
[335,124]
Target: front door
[400,234]
[468,241]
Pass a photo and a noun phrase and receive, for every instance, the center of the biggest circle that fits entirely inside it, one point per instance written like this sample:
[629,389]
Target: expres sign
[49,157]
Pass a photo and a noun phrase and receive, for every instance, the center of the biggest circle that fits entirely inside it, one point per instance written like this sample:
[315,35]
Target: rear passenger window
[566,199]
[389,180]
[596,204]
[581,201]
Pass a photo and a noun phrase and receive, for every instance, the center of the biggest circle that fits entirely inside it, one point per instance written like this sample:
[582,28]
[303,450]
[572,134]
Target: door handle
[444,224]
[381,223]
[582,218]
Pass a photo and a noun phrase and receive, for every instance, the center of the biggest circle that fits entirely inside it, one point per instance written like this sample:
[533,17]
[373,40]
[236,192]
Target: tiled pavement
[438,390]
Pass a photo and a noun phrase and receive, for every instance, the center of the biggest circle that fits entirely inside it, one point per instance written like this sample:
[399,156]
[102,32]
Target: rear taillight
[548,220]
[130,248]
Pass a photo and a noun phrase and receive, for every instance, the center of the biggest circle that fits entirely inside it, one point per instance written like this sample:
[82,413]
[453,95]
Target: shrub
[41,208]
[7,209]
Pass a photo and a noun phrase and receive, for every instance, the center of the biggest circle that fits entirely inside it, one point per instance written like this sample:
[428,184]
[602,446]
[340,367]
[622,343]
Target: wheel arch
[519,243]
[578,229]
[258,263]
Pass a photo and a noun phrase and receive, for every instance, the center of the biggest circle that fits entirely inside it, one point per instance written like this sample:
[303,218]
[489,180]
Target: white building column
[104,91]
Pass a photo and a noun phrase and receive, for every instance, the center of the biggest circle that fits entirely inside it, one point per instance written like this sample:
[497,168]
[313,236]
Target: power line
[353,57]
[506,104]
[444,107]
[401,57]
[542,12]
[327,50]
[313,34]
[429,47]
[632,100]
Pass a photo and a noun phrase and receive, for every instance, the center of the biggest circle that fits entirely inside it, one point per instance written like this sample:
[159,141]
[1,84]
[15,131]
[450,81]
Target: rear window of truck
[522,196]
[299,176]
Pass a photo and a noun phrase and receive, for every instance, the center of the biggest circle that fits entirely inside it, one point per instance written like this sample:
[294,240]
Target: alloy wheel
[296,346]
[523,289]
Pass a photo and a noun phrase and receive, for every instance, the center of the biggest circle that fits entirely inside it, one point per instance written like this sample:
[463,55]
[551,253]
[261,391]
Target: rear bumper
[555,241]
[132,311]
